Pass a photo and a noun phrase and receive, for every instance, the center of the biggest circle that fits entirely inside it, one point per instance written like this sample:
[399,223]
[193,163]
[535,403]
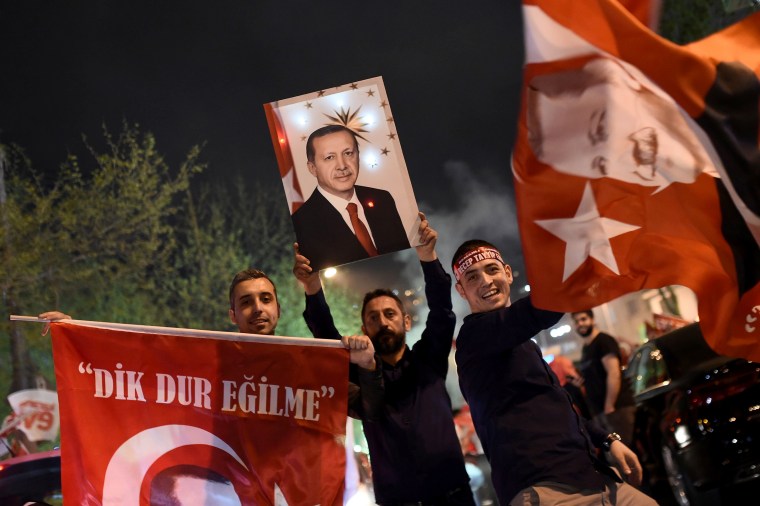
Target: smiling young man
[540,450]
[414,449]
[341,221]
[254,307]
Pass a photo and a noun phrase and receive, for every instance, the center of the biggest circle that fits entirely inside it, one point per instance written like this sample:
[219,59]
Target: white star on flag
[587,234]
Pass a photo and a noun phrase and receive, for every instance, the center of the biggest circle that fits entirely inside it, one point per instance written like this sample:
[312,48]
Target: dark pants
[461,496]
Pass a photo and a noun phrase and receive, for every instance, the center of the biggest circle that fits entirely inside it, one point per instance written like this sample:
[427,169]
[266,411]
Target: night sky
[198,72]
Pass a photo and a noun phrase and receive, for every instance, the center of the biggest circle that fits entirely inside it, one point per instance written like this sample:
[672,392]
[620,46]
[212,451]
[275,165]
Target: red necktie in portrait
[361,230]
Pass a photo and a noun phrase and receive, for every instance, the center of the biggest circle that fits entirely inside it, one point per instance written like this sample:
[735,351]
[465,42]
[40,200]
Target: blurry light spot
[408,293]
[372,204]
[526,288]
[371,161]
[330,272]
[682,435]
[282,140]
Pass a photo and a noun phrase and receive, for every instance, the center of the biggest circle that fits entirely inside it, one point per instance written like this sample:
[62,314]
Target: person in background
[571,380]
[608,391]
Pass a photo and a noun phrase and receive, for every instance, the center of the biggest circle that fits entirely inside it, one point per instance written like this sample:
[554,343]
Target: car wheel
[683,490]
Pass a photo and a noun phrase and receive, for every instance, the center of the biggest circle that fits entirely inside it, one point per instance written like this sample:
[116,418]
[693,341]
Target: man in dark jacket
[414,449]
[541,451]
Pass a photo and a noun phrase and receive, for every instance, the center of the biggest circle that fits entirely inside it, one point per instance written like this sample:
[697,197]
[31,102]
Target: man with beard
[414,449]
[608,393]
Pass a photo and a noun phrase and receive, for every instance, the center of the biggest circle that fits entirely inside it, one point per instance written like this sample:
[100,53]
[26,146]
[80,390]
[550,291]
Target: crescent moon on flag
[130,462]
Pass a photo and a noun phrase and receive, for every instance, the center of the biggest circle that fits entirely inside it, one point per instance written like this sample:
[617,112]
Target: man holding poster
[414,449]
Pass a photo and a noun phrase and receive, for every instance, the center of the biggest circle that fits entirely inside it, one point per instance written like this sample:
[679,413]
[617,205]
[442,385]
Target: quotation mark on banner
[751,319]
[85,368]
[326,390]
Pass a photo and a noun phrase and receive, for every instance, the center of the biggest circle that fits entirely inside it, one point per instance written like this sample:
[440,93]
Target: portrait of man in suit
[341,221]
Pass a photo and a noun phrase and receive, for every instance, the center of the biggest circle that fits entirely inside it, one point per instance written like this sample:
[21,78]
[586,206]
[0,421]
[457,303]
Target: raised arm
[435,343]
[308,277]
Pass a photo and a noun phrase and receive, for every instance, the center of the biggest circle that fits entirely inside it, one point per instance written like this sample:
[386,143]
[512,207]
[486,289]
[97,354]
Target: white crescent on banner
[133,458]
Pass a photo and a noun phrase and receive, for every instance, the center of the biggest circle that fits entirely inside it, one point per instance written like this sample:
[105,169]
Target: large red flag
[225,417]
[637,165]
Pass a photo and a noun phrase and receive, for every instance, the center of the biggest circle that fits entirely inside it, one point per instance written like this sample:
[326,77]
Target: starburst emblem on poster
[350,120]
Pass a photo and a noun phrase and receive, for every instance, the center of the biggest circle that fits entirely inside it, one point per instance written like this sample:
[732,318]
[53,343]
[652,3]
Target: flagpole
[204,334]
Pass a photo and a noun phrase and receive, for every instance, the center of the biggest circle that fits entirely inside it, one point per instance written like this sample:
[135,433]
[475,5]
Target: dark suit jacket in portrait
[325,238]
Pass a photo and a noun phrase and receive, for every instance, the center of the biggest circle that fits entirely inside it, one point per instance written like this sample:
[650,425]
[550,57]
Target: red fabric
[563,367]
[646,11]
[656,234]
[108,457]
[284,159]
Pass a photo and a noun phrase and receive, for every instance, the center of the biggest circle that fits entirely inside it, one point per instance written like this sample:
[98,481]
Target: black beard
[585,332]
[387,342]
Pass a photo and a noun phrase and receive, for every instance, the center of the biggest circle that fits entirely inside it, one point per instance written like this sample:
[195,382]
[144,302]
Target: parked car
[697,429]
[32,478]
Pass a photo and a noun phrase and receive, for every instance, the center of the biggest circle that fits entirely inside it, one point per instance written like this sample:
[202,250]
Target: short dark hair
[245,275]
[326,130]
[381,292]
[468,246]
[589,312]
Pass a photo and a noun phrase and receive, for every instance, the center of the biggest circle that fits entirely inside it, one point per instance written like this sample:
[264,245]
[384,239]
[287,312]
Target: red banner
[637,166]
[147,414]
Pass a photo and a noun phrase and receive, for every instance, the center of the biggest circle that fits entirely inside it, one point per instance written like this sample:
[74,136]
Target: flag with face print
[637,166]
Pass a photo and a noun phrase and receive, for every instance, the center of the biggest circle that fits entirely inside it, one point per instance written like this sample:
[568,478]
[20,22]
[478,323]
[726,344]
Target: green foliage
[120,236]
[685,22]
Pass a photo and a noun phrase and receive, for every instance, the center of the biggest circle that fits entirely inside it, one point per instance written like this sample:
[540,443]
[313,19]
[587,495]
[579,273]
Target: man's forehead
[253,287]
[484,264]
[382,302]
[334,138]
[483,255]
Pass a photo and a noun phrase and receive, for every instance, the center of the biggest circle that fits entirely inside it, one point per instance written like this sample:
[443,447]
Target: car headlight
[682,435]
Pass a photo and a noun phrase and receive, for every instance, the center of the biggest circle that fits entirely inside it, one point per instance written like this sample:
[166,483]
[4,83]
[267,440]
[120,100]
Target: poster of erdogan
[344,174]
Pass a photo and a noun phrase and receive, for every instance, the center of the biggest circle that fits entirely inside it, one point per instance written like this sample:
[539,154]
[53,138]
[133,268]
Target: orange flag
[147,413]
[636,165]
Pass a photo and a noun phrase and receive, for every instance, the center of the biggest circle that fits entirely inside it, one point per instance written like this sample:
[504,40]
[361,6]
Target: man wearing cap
[540,450]
[342,222]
